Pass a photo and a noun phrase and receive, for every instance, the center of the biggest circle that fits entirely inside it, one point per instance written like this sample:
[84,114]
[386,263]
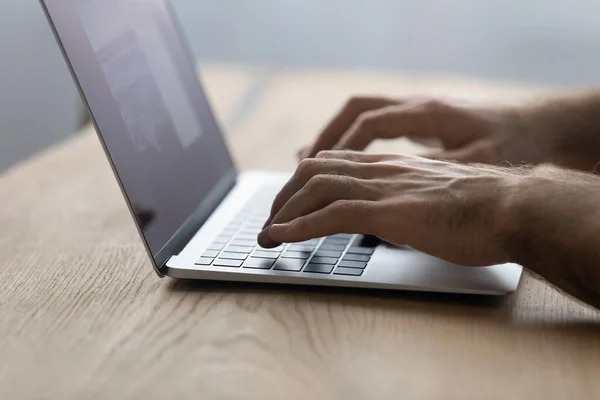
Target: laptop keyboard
[236,247]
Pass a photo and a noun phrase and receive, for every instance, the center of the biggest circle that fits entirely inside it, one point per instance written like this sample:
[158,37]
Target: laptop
[197,216]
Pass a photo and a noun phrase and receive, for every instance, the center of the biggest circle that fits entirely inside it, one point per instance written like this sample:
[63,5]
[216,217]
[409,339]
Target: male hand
[452,211]
[468,132]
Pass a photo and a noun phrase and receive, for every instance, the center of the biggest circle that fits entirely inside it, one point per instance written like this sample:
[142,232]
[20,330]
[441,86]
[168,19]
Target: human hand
[451,211]
[489,134]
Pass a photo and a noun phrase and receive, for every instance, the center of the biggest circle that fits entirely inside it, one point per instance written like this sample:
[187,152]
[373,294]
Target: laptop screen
[153,117]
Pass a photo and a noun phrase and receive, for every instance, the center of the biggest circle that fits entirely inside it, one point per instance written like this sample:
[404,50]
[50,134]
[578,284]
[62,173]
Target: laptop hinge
[193,224]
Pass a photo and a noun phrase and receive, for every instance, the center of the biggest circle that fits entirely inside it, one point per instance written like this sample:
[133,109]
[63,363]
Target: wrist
[510,210]
[542,210]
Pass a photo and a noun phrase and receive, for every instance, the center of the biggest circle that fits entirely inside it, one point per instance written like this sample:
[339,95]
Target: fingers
[347,165]
[320,192]
[424,120]
[342,216]
[356,156]
[362,121]
[338,126]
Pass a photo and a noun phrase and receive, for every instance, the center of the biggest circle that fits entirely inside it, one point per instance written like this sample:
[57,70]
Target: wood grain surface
[82,314]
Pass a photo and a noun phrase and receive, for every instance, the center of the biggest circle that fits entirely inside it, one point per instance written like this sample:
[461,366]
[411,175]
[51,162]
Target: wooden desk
[82,314]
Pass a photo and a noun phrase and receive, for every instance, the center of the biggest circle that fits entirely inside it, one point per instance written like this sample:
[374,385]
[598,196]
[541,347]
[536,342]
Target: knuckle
[344,207]
[379,189]
[306,167]
[342,185]
[319,182]
[327,154]
[301,224]
[353,216]
[348,210]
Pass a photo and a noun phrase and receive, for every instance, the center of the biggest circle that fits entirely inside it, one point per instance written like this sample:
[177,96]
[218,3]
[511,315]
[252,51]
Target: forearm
[555,230]
[570,125]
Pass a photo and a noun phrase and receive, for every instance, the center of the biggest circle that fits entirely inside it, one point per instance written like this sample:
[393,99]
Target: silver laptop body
[197,216]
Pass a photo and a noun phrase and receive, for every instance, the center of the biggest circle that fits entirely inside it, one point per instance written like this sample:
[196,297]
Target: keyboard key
[247,237]
[258,223]
[228,263]
[204,261]
[311,241]
[353,264]
[277,249]
[342,236]
[348,271]
[289,264]
[258,218]
[240,249]
[361,250]
[210,254]
[296,254]
[254,226]
[243,242]
[328,253]
[323,260]
[356,257]
[222,240]
[318,268]
[216,246]
[265,254]
[259,263]
[366,241]
[248,233]
[337,239]
[309,248]
[339,242]
[334,247]
[234,256]
[242,236]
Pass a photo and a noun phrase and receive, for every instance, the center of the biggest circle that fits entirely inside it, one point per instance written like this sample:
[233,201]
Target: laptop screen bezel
[198,217]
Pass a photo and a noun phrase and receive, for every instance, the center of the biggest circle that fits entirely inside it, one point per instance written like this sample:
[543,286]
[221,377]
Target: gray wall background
[545,41]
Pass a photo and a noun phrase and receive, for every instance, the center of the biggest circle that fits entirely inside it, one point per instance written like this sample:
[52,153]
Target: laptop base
[389,267]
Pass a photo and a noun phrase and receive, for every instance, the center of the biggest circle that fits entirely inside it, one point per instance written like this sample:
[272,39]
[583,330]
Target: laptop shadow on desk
[358,295]
[472,311]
